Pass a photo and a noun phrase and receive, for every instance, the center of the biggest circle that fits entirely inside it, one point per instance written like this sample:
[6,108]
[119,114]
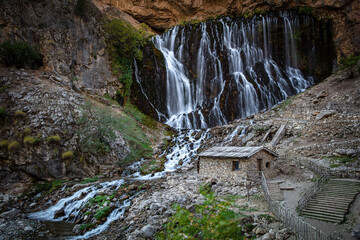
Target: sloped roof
[234,152]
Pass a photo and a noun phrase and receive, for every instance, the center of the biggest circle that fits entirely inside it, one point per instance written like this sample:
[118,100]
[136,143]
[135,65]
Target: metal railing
[312,191]
[302,229]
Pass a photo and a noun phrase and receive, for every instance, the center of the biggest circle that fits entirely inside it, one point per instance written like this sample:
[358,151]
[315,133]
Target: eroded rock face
[72,45]
[37,106]
[161,14]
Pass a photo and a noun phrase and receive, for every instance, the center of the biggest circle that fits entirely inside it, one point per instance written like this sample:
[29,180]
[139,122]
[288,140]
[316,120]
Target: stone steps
[332,203]
[275,192]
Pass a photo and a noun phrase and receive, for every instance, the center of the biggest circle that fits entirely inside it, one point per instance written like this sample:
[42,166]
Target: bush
[2,112]
[13,145]
[103,212]
[211,220]
[123,42]
[140,117]
[19,113]
[4,143]
[96,131]
[80,7]
[47,186]
[349,61]
[89,180]
[20,55]
[97,128]
[3,88]
[27,131]
[29,140]
[68,155]
[86,226]
[53,139]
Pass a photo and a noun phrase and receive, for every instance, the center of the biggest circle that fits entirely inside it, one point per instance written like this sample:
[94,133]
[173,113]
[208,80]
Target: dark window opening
[267,165]
[236,166]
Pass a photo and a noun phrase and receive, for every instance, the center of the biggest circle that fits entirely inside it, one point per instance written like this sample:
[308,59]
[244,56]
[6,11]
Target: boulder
[147,231]
[266,237]
[324,114]
[10,214]
[356,230]
[278,136]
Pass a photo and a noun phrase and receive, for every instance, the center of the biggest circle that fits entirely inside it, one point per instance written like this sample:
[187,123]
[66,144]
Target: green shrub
[139,116]
[53,139]
[19,113]
[103,212]
[86,226]
[89,180]
[96,131]
[4,143]
[13,145]
[29,140]
[307,11]
[47,186]
[2,112]
[68,155]
[27,131]
[97,128]
[123,42]
[3,88]
[20,55]
[212,219]
[349,61]
[80,7]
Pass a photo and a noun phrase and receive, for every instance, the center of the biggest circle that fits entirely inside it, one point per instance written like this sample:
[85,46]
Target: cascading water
[225,69]
[72,206]
[185,147]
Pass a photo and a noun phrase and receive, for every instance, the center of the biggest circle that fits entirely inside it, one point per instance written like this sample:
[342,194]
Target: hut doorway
[259,163]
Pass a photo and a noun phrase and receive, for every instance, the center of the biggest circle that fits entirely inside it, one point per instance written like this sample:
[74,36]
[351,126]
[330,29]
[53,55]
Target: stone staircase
[275,192]
[332,203]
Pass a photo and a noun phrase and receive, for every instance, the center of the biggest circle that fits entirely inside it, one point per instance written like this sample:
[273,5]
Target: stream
[69,209]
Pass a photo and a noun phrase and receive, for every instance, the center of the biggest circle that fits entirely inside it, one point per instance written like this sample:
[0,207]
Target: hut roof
[234,152]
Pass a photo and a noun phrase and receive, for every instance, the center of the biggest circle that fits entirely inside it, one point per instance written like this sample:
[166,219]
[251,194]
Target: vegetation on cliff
[19,54]
[123,43]
[99,127]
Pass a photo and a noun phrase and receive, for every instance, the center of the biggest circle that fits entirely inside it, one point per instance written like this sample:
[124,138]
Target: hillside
[102,120]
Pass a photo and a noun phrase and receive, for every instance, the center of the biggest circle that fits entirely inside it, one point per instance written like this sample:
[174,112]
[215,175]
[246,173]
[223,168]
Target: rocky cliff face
[229,68]
[72,44]
[38,107]
[161,14]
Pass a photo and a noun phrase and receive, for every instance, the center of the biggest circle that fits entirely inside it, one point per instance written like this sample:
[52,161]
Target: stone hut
[231,163]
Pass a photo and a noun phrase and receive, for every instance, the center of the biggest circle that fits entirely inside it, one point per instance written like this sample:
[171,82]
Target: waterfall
[228,68]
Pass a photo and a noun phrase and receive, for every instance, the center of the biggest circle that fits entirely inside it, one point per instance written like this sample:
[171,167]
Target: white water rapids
[186,145]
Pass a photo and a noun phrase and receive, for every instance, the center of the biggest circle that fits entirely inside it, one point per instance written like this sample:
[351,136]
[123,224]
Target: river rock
[259,231]
[76,229]
[272,233]
[266,237]
[147,231]
[59,213]
[356,230]
[324,114]
[278,236]
[28,228]
[10,214]
[278,136]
